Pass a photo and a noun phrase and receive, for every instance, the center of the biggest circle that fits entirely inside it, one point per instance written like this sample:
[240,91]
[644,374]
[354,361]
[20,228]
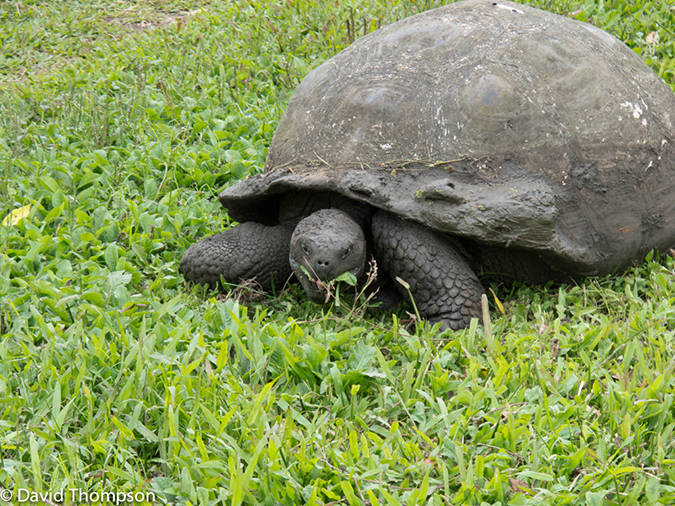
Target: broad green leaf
[348,278]
[653,490]
[95,298]
[111,257]
[536,476]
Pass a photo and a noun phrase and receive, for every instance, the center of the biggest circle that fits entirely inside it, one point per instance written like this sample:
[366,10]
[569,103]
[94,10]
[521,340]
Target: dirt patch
[135,20]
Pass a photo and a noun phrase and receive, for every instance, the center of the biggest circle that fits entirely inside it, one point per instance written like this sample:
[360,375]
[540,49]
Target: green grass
[119,123]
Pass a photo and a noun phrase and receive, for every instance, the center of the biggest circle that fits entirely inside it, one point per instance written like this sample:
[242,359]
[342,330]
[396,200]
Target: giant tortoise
[480,137]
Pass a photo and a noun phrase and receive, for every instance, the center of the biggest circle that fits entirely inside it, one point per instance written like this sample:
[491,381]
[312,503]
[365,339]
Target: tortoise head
[325,245]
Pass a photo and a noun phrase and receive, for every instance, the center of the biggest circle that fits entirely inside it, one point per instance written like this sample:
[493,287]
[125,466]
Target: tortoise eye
[305,249]
[346,253]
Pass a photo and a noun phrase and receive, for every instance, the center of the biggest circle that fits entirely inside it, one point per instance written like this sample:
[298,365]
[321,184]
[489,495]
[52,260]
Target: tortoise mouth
[318,290]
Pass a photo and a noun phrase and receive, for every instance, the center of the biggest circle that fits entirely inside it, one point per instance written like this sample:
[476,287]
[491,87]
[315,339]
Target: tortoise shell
[491,121]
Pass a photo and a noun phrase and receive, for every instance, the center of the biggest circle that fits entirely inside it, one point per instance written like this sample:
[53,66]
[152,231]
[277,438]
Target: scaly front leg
[442,284]
[249,251]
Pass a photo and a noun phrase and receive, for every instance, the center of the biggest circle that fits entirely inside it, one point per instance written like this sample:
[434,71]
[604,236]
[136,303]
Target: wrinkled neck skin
[325,245]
